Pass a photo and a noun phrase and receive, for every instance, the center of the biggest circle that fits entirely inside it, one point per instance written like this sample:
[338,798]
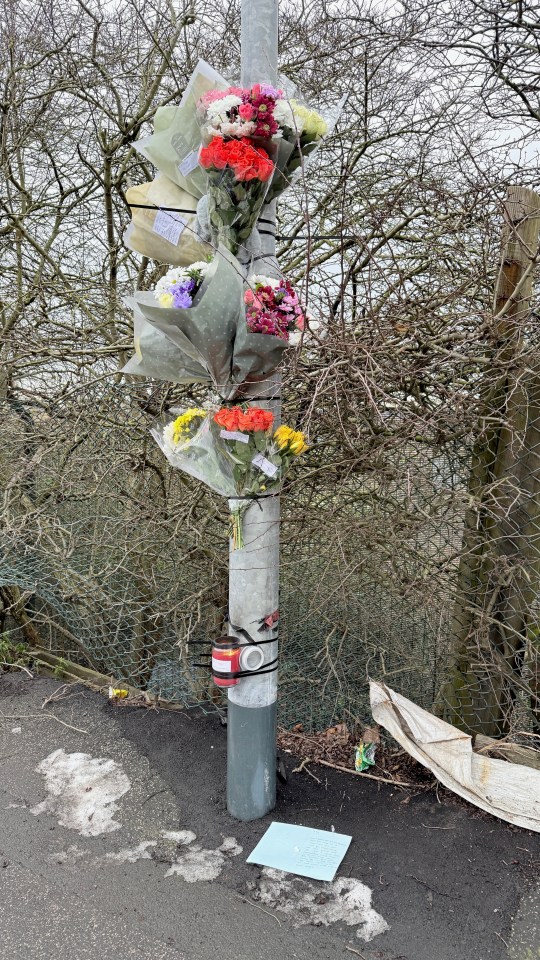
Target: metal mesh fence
[422,572]
[113,561]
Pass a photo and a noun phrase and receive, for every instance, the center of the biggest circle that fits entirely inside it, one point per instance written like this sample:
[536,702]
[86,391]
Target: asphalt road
[151,867]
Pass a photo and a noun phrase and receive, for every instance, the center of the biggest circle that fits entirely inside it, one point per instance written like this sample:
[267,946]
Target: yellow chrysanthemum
[166,300]
[298,445]
[182,423]
[313,125]
[282,436]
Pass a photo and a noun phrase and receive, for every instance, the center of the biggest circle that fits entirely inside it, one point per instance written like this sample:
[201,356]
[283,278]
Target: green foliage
[12,654]
[60,669]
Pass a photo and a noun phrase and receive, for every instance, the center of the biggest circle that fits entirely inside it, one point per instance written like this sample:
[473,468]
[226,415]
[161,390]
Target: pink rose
[246,111]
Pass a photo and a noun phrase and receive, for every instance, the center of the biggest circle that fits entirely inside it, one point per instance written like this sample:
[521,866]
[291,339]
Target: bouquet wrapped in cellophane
[234,450]
[303,130]
[197,309]
[273,321]
[174,145]
[238,175]
[202,323]
[164,224]
[189,444]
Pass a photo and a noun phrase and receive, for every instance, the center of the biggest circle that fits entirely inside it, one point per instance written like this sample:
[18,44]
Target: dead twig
[369,776]
[357,952]
[59,694]
[307,770]
[439,893]
[41,716]
[268,913]
[17,666]
[436,828]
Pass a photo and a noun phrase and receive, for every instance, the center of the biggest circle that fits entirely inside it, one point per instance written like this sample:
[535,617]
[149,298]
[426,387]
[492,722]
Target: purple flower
[181,293]
[268,91]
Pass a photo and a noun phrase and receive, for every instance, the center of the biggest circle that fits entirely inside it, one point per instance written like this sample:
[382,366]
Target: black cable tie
[146,206]
[245,633]
[239,674]
[256,496]
[266,233]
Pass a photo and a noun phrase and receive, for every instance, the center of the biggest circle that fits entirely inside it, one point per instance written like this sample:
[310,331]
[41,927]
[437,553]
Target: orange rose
[255,419]
[228,418]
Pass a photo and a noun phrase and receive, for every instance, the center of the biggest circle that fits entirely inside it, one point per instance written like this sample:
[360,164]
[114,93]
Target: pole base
[251,761]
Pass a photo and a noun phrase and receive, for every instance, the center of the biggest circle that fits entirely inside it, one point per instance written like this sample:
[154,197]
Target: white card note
[234,435]
[189,163]
[301,850]
[170,226]
[263,464]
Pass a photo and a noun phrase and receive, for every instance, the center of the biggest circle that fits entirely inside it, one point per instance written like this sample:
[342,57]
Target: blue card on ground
[302,850]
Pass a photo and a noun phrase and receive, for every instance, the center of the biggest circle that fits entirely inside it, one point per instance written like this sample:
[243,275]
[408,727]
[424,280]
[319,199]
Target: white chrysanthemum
[283,114]
[219,108]
[201,265]
[228,129]
[168,438]
[294,337]
[266,281]
[175,275]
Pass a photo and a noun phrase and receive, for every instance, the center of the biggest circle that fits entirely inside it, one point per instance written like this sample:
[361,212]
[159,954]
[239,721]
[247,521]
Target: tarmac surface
[115,842]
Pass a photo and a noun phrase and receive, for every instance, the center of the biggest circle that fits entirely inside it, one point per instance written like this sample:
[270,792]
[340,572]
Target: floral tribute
[259,112]
[239,173]
[272,307]
[180,285]
[181,431]
[260,458]
[265,114]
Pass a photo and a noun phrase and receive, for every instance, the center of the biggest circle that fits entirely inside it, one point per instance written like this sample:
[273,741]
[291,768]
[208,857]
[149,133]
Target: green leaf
[260,440]
[243,451]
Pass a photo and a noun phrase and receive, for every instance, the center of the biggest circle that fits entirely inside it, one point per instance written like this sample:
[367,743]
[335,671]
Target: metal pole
[254,571]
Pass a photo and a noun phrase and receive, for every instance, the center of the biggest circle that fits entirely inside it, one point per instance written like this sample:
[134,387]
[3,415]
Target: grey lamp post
[254,571]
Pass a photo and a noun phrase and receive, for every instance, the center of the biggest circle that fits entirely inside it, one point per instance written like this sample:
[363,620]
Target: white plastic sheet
[507,790]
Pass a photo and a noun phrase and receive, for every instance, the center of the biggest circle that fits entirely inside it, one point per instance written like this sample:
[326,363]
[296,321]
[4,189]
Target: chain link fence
[113,561]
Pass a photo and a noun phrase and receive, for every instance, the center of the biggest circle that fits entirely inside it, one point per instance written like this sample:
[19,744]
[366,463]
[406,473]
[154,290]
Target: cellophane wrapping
[303,138]
[204,332]
[157,357]
[200,456]
[174,145]
[169,236]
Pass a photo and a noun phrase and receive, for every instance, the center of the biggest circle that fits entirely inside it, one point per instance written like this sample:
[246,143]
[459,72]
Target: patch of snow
[344,900]
[196,863]
[231,847]
[179,836]
[66,856]
[139,852]
[82,791]
[17,730]
[13,806]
